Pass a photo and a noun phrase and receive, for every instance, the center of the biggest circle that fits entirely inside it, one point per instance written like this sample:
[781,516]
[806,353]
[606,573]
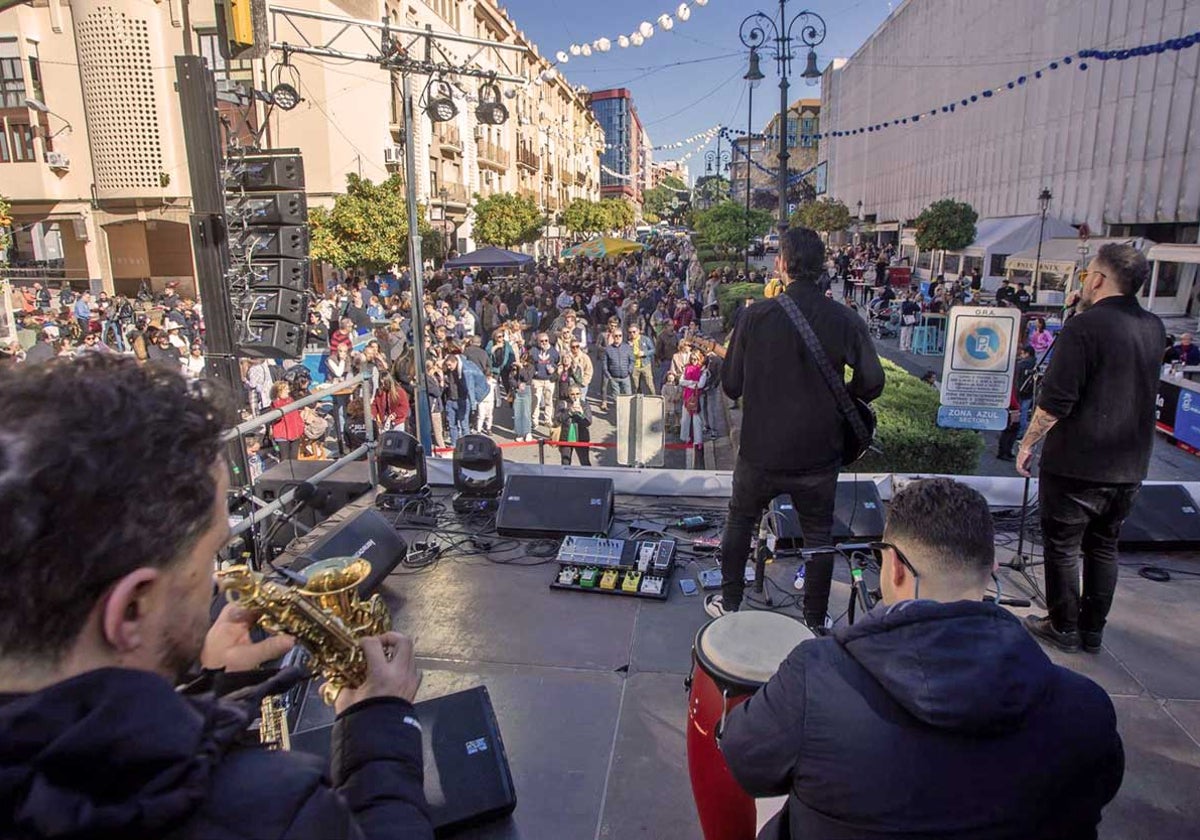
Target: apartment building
[91,136]
[802,126]
[626,158]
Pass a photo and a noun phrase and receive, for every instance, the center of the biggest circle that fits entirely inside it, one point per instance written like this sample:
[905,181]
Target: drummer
[934,715]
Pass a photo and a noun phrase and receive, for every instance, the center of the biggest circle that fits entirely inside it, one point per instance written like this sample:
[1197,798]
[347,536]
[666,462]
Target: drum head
[744,649]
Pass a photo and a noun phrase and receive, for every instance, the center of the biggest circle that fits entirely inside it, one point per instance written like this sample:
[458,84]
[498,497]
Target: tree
[712,188]
[584,217]
[5,228]
[727,225]
[618,213]
[827,215]
[506,220]
[946,225]
[367,227]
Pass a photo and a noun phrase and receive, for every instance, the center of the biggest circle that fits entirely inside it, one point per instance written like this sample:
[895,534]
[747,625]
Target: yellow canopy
[604,246]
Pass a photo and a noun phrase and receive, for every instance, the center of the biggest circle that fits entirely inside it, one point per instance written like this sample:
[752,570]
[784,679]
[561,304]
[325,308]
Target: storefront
[1173,274]
[995,240]
[1060,264]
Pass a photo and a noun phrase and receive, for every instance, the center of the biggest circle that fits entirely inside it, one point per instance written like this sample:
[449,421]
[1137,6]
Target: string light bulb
[575,49]
[623,41]
[636,39]
[666,22]
[683,12]
[562,57]
[646,29]
[603,44]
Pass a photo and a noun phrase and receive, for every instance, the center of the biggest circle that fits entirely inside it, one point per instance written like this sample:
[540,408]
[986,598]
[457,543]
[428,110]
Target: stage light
[478,474]
[285,97]
[441,108]
[402,475]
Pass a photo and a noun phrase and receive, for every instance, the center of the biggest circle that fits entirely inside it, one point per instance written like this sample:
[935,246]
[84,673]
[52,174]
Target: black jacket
[790,420]
[928,720]
[119,754]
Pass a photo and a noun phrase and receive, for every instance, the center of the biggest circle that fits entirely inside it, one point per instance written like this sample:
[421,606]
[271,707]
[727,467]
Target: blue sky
[675,102]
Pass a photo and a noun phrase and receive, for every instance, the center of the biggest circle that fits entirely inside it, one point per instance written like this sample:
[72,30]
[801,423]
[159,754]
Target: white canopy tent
[997,238]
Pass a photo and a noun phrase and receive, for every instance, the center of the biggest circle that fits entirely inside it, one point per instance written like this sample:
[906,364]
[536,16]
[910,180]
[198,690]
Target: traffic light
[242,28]
[266,213]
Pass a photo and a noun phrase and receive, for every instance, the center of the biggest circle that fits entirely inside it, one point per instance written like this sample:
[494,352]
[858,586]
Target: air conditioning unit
[393,154]
[58,160]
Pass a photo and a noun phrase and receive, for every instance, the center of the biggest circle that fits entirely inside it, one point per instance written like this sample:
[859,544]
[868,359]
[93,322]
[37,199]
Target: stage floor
[589,689]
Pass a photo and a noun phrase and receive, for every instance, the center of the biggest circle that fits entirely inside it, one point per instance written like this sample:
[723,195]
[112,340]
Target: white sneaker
[714,605]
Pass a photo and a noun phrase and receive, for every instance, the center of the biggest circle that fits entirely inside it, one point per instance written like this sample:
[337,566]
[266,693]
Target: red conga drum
[732,657]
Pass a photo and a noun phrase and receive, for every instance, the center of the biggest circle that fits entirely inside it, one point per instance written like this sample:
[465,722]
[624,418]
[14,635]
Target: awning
[1174,253]
[1010,234]
[1063,255]
[490,258]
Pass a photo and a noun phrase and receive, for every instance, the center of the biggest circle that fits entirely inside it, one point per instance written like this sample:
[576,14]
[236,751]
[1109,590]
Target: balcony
[455,193]
[447,136]
[548,171]
[532,195]
[581,178]
[528,158]
[492,156]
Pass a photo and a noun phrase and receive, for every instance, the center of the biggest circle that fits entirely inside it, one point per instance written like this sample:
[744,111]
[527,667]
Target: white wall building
[1118,145]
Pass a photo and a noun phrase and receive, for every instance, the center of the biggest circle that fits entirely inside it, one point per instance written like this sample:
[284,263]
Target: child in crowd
[672,394]
[487,406]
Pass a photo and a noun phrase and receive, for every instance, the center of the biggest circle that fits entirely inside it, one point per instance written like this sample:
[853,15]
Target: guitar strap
[835,383]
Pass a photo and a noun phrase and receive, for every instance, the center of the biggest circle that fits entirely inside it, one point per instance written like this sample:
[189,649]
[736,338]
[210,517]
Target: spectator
[485,412]
[288,431]
[390,405]
[618,364]
[193,365]
[43,351]
[1022,298]
[521,394]
[1185,351]
[642,373]
[544,359]
[1041,338]
[342,335]
[573,420]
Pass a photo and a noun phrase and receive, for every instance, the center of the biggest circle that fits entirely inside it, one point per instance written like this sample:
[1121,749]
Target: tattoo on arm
[1039,426]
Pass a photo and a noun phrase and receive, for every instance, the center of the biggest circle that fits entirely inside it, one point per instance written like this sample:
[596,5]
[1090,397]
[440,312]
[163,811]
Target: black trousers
[813,495]
[1081,517]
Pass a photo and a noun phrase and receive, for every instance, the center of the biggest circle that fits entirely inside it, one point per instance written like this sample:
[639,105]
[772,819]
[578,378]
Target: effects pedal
[652,585]
[664,553]
[587,578]
[710,578]
[568,576]
[646,555]
[632,579]
[609,579]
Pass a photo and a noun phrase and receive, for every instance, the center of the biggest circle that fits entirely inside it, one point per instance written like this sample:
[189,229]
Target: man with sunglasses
[935,714]
[1095,413]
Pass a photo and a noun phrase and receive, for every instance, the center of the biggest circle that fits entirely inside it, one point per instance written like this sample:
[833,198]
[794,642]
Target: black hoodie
[118,753]
[928,720]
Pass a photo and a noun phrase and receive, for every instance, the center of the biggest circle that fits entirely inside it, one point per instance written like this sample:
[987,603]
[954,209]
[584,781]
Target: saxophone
[324,615]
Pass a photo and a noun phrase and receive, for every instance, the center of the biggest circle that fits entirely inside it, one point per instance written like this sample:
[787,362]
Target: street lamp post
[1044,199]
[753,77]
[755,31]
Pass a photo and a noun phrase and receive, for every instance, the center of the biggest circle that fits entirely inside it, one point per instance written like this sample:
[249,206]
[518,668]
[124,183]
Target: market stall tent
[490,257]
[1061,261]
[995,239]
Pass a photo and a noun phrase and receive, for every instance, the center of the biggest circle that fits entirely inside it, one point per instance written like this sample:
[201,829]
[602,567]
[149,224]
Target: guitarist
[793,432]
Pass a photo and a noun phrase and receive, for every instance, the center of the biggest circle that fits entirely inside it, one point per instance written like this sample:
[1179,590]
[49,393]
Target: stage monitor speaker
[857,512]
[333,493]
[354,531]
[1164,516]
[467,777]
[546,505]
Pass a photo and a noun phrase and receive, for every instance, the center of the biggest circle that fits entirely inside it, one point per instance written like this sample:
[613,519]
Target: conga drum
[732,657]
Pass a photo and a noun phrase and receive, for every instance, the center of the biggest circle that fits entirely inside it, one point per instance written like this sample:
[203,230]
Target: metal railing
[528,158]
[493,154]
[448,135]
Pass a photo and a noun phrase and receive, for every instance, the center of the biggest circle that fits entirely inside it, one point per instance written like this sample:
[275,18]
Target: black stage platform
[589,690]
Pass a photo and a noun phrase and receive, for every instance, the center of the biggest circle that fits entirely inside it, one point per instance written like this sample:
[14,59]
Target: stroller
[883,320]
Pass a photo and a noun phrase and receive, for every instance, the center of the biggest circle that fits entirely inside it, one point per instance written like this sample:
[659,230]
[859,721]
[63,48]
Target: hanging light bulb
[636,39]
[586,49]
[603,44]
[646,29]
[700,2]
[623,41]
[666,22]
[575,49]
[562,57]
[549,74]
[683,12]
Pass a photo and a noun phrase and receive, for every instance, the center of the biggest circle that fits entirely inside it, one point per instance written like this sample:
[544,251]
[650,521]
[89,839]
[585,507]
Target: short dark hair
[1129,267]
[949,518]
[803,254]
[105,467]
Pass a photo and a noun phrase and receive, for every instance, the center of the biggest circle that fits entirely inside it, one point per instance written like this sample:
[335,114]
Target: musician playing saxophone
[112,506]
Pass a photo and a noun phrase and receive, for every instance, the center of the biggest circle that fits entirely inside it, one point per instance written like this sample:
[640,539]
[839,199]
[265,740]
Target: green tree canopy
[367,227]
[827,215]
[618,213]
[584,217]
[946,225]
[728,225]
[506,220]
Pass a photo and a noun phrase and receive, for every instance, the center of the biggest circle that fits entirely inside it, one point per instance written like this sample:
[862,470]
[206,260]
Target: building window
[22,142]
[35,71]
[996,269]
[808,128]
[5,154]
[793,132]
[12,79]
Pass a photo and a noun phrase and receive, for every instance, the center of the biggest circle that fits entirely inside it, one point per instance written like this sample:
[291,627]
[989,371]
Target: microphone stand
[1020,562]
[305,492]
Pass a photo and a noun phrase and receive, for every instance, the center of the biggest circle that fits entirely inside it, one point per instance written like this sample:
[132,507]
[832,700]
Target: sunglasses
[878,553]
